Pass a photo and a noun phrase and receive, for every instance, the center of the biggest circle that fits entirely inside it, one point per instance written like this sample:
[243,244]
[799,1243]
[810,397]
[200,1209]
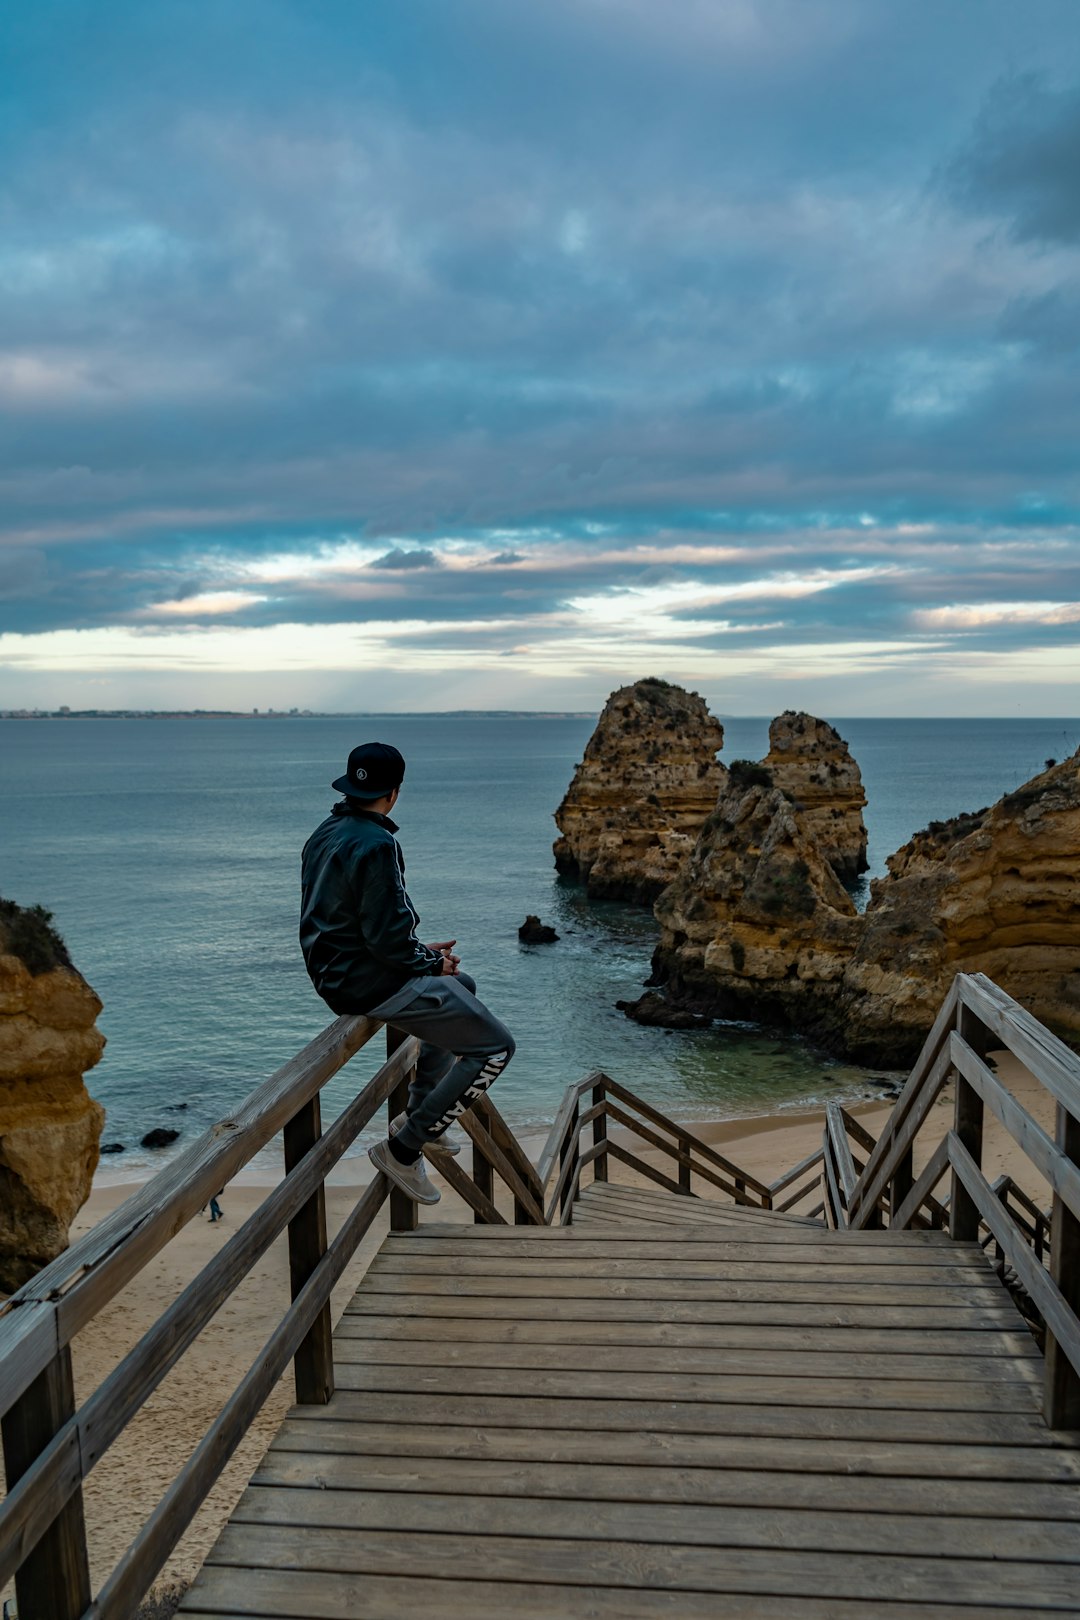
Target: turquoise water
[169,853]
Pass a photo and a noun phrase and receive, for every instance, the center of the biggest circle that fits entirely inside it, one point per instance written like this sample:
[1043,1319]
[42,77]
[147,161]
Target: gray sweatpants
[464,1048]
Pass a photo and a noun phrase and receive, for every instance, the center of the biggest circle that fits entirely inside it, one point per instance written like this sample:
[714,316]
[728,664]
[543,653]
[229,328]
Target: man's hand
[450,962]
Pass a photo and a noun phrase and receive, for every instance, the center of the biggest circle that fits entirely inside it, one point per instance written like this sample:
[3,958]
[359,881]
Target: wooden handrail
[50,1447]
[976,1016]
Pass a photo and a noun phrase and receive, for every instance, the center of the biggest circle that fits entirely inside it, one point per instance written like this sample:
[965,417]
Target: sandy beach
[125,1486]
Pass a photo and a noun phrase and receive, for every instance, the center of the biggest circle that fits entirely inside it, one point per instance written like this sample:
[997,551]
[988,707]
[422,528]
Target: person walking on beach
[358,935]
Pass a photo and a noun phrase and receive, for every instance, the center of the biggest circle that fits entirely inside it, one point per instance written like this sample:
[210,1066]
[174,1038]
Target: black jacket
[357,924]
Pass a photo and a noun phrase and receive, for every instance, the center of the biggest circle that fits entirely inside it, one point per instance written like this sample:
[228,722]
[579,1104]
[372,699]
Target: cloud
[401,559]
[307,335]
[1022,159]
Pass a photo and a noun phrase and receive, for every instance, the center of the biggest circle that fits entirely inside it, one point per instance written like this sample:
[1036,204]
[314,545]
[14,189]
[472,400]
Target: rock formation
[49,1125]
[649,778]
[757,926]
[997,892]
[809,762]
[756,918]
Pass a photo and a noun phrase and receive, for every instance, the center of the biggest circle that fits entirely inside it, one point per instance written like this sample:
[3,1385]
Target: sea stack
[50,1126]
[648,780]
[756,921]
[810,762]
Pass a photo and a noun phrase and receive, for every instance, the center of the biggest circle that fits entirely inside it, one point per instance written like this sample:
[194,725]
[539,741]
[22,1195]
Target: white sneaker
[411,1178]
[447,1142]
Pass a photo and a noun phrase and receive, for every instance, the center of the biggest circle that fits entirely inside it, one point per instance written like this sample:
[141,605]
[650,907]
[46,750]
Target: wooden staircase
[671,1407]
[690,1393]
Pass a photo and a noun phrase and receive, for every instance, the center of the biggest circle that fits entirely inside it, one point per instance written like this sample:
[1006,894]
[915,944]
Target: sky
[467,354]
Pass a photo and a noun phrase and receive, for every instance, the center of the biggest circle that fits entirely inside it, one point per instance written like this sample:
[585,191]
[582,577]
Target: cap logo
[361,774]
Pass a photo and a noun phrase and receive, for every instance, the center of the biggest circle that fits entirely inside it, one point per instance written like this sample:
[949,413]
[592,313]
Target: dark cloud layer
[510,318]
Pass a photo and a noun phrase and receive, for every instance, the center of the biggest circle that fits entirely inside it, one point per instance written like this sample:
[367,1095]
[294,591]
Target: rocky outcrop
[996,892]
[756,918]
[50,1127]
[648,780]
[751,927]
[809,761]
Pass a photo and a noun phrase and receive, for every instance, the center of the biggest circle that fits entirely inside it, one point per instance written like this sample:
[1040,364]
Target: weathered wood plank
[852,1341]
[331,1432]
[679,1567]
[224,1593]
[727,1257]
[696,1389]
[679,1417]
[688,1239]
[440,1351]
[779,1290]
[458,1512]
[945,1313]
[743,1488]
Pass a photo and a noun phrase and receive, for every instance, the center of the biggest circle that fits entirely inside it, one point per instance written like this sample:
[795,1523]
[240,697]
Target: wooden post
[684,1169]
[1061,1400]
[569,1150]
[54,1579]
[313,1365]
[902,1182]
[483,1179]
[599,1135]
[964,1217]
[404,1212]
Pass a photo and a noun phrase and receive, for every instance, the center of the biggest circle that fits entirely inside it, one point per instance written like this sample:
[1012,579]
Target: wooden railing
[596,1102]
[1043,1251]
[50,1446]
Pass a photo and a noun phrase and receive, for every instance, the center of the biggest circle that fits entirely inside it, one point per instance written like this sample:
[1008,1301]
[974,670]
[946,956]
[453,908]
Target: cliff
[810,762]
[50,1127]
[751,927]
[996,892]
[647,782]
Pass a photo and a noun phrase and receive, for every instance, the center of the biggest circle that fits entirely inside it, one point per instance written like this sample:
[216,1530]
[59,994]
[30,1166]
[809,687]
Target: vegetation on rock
[27,932]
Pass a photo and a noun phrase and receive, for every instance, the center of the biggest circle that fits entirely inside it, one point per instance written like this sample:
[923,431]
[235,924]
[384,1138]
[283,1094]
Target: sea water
[168,851]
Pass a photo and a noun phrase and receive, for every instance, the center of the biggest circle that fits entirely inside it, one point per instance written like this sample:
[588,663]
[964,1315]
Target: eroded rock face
[810,762]
[756,918]
[757,925]
[997,892]
[50,1126]
[649,778]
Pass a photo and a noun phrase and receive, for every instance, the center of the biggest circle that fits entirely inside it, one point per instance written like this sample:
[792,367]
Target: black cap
[374,770]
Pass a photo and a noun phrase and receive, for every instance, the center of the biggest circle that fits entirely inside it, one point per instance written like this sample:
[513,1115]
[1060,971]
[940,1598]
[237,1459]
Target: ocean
[168,851]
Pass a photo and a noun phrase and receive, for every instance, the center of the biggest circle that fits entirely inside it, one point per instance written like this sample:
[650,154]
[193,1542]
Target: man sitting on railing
[358,936]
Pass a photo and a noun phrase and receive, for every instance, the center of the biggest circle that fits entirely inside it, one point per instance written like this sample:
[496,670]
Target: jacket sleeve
[387,920]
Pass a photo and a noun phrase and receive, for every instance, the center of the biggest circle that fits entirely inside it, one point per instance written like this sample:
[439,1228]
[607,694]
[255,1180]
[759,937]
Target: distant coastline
[291,714]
